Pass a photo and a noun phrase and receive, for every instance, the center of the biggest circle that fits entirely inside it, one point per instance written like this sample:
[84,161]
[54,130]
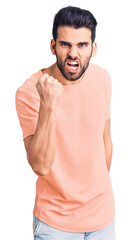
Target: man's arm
[41,146]
[108,143]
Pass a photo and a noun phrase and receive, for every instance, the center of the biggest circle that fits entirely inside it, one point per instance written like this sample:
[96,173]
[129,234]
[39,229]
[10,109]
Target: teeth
[73,63]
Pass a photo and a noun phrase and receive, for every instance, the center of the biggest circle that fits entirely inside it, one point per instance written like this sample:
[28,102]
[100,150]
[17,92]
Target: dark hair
[74,17]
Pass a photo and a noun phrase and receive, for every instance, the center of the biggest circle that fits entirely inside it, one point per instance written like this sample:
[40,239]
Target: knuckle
[60,84]
[43,77]
[50,78]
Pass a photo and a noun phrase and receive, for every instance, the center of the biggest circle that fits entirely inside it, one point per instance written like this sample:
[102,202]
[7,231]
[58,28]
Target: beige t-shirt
[76,195]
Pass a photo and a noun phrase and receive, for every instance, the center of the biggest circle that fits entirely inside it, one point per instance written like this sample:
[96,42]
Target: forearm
[108,153]
[42,148]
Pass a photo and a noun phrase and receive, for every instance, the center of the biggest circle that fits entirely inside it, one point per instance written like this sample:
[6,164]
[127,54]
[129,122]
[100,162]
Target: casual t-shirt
[76,195]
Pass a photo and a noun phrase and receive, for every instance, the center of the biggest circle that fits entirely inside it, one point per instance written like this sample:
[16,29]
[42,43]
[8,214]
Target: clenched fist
[49,89]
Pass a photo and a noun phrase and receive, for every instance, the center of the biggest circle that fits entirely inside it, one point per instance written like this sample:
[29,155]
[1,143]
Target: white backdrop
[26,31]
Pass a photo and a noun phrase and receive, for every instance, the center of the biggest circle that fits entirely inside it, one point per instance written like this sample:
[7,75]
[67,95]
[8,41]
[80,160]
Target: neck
[58,75]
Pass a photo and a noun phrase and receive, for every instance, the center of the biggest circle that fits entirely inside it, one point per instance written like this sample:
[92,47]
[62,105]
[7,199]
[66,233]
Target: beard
[68,75]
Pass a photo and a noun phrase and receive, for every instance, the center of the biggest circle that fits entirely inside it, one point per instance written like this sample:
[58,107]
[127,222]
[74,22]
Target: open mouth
[72,66]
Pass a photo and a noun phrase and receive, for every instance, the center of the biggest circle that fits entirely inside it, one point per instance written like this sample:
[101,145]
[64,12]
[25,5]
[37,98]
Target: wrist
[48,106]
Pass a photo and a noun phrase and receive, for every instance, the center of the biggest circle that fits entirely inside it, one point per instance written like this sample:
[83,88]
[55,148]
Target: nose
[73,53]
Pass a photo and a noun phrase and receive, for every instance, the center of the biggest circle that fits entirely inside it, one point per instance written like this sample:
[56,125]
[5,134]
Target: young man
[64,112]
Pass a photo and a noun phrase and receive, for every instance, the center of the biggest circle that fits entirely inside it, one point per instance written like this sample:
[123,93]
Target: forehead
[70,34]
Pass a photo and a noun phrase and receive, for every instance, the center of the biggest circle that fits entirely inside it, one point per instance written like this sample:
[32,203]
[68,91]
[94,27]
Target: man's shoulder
[28,85]
[99,75]
[97,69]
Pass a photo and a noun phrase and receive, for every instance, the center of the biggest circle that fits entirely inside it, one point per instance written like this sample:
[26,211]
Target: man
[64,112]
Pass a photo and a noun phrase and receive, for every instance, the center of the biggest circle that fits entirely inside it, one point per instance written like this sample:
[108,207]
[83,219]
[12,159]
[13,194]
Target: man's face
[73,49]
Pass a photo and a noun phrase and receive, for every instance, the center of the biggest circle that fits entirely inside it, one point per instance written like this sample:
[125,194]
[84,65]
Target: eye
[83,44]
[64,44]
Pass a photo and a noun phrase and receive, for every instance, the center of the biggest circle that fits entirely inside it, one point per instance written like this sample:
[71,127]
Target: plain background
[26,31]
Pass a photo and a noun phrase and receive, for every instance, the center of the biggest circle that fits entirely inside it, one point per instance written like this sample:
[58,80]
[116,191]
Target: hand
[49,89]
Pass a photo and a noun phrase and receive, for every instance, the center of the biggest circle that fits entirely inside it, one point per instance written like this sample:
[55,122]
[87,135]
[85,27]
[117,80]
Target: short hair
[74,17]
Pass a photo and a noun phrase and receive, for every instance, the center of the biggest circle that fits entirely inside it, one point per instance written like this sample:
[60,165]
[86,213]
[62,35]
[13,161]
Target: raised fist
[49,89]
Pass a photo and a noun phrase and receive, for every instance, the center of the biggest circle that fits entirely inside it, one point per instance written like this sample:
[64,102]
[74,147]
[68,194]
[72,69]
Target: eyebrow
[77,43]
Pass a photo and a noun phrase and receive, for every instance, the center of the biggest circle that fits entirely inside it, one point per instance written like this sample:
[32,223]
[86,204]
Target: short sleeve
[108,92]
[27,108]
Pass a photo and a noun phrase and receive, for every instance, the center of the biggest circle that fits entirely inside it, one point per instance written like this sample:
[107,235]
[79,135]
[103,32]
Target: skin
[83,53]
[108,143]
[73,49]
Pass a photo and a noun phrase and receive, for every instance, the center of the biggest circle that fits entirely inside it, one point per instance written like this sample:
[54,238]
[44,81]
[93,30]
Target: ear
[52,46]
[94,49]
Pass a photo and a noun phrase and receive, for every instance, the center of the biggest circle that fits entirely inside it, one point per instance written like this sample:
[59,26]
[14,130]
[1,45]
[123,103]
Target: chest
[82,110]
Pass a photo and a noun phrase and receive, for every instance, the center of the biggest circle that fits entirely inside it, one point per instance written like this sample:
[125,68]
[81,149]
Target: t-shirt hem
[28,134]
[59,227]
